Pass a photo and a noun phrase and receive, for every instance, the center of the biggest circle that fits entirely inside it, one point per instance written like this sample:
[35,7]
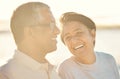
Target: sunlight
[103,12]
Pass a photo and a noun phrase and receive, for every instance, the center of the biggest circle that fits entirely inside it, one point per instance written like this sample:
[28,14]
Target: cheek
[44,37]
[67,43]
[90,40]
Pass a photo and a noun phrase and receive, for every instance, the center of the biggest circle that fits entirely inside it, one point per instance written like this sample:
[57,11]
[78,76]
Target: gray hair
[25,15]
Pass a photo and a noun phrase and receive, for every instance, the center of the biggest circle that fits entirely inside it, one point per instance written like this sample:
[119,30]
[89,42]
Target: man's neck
[39,56]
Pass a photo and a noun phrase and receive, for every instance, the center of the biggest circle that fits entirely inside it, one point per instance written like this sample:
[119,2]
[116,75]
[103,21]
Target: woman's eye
[78,32]
[67,38]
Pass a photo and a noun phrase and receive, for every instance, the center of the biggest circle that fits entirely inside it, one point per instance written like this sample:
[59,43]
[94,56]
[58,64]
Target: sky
[101,11]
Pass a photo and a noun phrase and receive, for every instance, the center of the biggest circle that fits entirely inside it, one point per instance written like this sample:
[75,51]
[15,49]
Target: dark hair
[72,16]
[25,15]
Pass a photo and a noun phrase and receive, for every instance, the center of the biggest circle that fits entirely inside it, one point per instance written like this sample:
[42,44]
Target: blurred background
[105,13]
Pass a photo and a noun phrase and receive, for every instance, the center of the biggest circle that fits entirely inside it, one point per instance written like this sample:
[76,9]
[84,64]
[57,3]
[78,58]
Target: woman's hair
[72,16]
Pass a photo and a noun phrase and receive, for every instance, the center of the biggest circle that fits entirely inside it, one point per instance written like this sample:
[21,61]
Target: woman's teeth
[78,47]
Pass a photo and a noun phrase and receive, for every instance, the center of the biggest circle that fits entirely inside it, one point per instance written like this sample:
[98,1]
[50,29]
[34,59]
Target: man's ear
[27,31]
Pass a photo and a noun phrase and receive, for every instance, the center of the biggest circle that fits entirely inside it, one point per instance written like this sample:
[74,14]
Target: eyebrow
[69,33]
[65,35]
[77,29]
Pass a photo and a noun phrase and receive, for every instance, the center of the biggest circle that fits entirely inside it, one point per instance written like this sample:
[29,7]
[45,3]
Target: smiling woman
[78,34]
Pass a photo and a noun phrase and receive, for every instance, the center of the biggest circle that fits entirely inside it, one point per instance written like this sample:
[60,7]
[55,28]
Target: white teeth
[78,47]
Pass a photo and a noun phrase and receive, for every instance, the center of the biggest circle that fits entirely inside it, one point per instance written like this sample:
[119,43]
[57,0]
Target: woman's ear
[93,33]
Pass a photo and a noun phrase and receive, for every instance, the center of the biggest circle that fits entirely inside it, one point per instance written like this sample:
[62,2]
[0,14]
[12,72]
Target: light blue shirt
[104,68]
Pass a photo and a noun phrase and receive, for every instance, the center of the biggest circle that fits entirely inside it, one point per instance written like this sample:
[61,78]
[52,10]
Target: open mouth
[77,47]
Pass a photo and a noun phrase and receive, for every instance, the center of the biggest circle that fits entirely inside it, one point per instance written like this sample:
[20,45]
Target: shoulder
[10,65]
[66,64]
[105,57]
[2,76]
[65,68]
[3,70]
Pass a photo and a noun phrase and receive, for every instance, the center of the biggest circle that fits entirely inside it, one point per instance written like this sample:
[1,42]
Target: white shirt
[2,76]
[104,68]
[24,67]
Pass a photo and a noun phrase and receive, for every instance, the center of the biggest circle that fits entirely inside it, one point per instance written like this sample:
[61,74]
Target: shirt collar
[30,62]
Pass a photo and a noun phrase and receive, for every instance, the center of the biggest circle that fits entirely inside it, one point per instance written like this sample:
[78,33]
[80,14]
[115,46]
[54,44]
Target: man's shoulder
[9,65]
[7,69]
[3,69]
[2,72]
[2,76]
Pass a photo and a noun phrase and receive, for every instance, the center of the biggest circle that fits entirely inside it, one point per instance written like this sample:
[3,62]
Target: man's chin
[53,49]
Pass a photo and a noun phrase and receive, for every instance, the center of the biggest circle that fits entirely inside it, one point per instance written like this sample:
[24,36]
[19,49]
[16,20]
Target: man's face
[45,32]
[78,38]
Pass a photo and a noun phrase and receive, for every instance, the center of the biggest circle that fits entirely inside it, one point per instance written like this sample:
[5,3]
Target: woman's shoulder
[104,55]
[66,63]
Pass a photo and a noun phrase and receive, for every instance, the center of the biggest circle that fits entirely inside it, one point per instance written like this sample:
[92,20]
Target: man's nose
[56,30]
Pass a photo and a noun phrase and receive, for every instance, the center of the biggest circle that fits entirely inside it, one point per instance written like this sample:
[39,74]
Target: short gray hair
[25,15]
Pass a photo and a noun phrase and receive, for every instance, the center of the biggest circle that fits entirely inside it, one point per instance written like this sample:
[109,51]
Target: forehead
[46,15]
[73,26]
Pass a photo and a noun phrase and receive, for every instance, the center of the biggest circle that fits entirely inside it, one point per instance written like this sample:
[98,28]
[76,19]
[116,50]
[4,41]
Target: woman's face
[78,38]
